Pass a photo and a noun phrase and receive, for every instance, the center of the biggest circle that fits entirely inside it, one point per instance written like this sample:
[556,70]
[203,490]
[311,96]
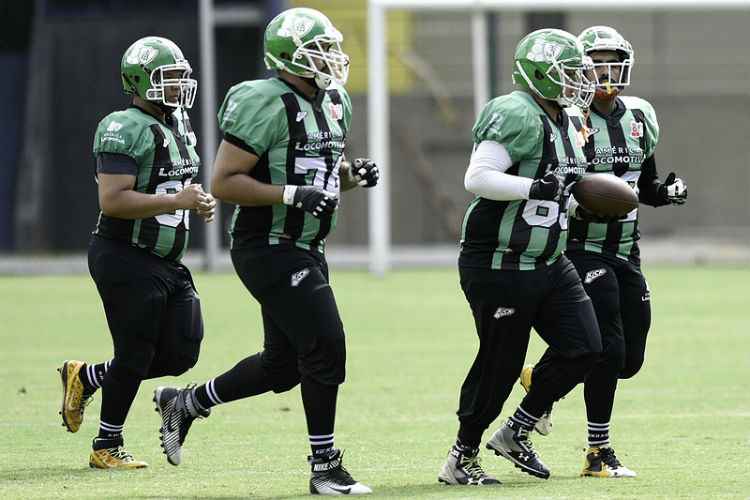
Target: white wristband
[288,196]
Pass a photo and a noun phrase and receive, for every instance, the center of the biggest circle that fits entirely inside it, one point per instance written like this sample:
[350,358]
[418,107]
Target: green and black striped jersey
[298,142]
[522,234]
[164,160]
[617,144]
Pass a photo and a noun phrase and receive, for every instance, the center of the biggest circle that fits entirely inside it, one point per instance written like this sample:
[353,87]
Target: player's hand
[673,190]
[365,172]
[546,188]
[207,209]
[190,197]
[311,199]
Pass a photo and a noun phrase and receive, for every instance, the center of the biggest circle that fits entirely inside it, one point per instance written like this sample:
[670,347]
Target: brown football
[605,195]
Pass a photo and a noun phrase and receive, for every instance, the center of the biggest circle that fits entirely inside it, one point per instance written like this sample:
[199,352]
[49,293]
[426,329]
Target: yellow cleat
[114,458]
[74,400]
[544,425]
[602,462]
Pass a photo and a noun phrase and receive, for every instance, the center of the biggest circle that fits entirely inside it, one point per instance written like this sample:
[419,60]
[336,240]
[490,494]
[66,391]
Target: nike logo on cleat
[343,491]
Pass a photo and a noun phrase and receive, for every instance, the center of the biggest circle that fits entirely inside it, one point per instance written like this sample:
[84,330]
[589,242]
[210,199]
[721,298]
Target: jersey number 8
[173,219]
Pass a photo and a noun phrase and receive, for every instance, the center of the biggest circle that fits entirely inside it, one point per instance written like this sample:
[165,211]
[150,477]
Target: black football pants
[505,306]
[622,303]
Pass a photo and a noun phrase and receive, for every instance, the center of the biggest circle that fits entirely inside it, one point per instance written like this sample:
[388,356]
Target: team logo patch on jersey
[504,312]
[337,111]
[594,274]
[299,276]
[636,129]
[114,127]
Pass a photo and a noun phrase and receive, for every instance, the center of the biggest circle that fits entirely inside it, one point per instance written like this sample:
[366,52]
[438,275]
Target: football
[605,195]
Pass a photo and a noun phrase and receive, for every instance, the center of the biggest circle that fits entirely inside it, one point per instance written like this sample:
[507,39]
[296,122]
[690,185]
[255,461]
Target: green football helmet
[148,68]
[604,38]
[303,42]
[552,64]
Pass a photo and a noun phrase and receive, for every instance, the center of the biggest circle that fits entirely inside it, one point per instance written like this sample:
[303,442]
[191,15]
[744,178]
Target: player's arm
[486,177]
[232,183]
[116,176]
[361,172]
[655,193]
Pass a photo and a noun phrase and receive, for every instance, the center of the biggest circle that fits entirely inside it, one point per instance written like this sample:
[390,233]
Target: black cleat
[512,442]
[173,406]
[329,477]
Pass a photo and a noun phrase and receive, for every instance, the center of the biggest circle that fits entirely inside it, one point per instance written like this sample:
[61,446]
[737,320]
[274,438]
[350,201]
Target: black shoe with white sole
[329,477]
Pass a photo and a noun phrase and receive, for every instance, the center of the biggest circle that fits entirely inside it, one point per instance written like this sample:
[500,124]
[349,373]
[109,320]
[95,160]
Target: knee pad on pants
[281,371]
[325,361]
[631,365]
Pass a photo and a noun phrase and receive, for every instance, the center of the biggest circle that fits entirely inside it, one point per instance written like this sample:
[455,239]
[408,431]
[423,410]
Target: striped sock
[110,431]
[92,376]
[524,419]
[598,435]
[205,395]
[321,445]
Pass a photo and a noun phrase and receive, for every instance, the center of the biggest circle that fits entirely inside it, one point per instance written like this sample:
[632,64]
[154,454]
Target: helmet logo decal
[142,54]
[543,51]
[296,26]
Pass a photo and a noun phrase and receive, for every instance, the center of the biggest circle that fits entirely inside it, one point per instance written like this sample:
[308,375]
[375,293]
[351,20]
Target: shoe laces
[608,457]
[522,438]
[120,453]
[471,464]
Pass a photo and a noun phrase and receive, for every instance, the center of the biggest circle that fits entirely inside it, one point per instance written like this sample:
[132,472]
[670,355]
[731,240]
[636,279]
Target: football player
[622,134]
[527,150]
[282,163]
[145,166]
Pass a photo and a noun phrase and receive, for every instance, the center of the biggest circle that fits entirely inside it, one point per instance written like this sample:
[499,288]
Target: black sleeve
[113,163]
[236,141]
[648,184]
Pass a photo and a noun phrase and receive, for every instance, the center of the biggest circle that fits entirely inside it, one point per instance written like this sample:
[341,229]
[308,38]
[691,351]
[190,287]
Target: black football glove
[673,190]
[313,199]
[546,188]
[365,172]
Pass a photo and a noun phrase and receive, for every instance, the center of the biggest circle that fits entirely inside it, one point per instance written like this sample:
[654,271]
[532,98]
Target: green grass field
[682,423]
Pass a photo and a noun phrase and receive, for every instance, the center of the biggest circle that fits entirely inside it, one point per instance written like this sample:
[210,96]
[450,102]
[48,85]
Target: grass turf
[682,423]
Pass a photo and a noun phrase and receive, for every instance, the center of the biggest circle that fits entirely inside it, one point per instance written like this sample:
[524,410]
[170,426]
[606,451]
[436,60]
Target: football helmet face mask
[551,64]
[154,69]
[611,76]
[305,43]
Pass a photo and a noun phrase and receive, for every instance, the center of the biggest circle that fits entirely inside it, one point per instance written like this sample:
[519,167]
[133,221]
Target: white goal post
[379,213]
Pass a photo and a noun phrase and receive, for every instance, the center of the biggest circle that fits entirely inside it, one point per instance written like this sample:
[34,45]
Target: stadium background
[61,58]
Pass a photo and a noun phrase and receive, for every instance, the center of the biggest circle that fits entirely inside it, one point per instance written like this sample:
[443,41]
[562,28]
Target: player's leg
[567,323]
[602,281]
[502,311]
[133,302]
[177,352]
[273,369]
[304,307]
[634,301]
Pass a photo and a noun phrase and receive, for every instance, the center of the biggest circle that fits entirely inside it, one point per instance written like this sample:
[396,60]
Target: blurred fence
[693,66]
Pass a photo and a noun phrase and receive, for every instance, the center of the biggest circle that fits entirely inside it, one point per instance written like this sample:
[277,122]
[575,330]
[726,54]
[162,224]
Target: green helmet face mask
[154,69]
[303,42]
[551,64]
[606,39]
